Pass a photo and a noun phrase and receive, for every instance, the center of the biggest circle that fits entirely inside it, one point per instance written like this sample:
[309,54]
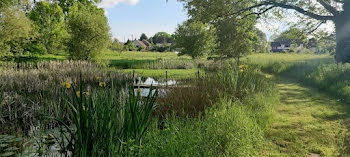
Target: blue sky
[129,18]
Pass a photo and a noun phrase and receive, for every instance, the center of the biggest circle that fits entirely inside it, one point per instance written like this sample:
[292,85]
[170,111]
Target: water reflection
[144,92]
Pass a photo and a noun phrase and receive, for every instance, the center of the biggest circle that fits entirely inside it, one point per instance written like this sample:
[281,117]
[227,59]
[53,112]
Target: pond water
[151,81]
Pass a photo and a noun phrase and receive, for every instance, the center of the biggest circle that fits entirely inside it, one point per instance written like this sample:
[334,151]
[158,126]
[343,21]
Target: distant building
[147,44]
[312,45]
[143,44]
[287,45]
[281,46]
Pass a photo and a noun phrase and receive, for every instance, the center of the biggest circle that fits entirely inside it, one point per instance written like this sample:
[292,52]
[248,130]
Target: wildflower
[242,67]
[139,90]
[98,78]
[66,84]
[77,93]
[86,93]
[102,84]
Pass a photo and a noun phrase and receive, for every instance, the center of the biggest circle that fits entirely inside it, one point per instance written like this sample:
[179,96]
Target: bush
[89,31]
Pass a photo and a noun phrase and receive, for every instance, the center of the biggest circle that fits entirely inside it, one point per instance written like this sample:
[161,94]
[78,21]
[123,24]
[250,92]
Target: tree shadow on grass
[132,64]
[313,118]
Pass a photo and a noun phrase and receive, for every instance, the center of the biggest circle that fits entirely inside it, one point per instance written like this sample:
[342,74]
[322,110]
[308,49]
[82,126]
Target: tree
[295,35]
[326,43]
[116,46]
[195,39]
[89,31]
[337,11]
[49,23]
[67,4]
[162,37]
[235,37]
[15,30]
[260,42]
[143,37]
[129,46]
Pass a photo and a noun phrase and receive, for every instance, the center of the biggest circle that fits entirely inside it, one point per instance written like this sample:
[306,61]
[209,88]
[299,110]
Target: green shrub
[89,31]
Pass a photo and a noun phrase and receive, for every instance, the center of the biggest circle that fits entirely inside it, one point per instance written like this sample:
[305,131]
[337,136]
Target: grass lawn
[264,59]
[308,122]
[160,73]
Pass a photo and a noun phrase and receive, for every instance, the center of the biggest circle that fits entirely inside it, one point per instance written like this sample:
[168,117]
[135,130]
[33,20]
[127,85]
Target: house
[281,46]
[148,44]
[286,45]
[312,45]
[143,44]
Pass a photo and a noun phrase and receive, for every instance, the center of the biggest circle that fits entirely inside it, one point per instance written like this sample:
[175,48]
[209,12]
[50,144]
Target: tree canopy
[15,30]
[50,25]
[195,39]
[162,37]
[235,34]
[89,31]
[143,37]
[295,35]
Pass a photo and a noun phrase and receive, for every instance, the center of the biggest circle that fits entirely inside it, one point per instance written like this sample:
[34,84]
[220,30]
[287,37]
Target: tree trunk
[342,24]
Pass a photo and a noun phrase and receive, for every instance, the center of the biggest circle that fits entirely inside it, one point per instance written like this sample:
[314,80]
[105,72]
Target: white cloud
[113,3]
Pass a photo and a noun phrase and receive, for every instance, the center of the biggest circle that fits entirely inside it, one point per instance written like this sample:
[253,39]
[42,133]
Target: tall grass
[318,71]
[108,125]
[228,129]
[32,91]
[223,81]
[217,118]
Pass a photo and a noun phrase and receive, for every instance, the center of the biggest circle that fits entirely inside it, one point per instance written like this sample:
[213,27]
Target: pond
[150,81]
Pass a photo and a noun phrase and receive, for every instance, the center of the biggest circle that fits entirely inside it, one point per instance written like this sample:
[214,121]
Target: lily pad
[11,149]
[8,154]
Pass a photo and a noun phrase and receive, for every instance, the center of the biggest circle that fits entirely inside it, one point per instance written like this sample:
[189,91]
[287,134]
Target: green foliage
[213,11]
[228,129]
[195,39]
[89,32]
[313,70]
[235,34]
[162,37]
[108,126]
[116,46]
[235,37]
[326,43]
[15,30]
[130,46]
[10,145]
[295,35]
[50,25]
[260,43]
[143,37]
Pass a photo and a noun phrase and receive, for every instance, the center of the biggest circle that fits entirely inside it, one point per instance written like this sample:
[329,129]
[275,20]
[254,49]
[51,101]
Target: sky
[128,19]
[131,18]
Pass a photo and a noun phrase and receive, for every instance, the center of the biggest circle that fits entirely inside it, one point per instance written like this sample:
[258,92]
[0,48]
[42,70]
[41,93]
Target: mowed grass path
[308,123]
